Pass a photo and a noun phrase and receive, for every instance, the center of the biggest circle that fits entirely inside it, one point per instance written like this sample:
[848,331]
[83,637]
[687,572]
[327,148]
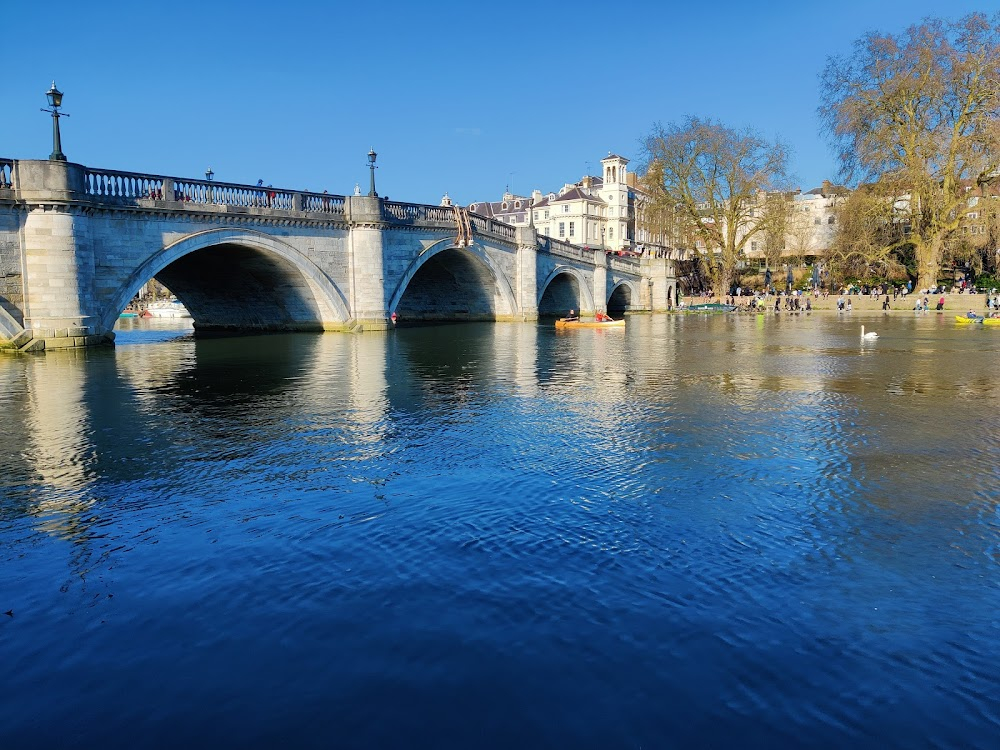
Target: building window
[753,247]
[566,209]
[562,229]
[611,233]
[546,214]
[517,204]
[503,206]
[572,229]
[536,215]
[817,220]
[832,220]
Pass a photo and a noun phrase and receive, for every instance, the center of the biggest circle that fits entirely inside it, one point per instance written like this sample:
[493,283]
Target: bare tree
[870,242]
[915,115]
[775,220]
[710,176]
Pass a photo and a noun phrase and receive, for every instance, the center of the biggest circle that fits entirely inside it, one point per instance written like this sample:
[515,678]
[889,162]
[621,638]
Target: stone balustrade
[129,188]
[415,212]
[121,187]
[323,203]
[485,225]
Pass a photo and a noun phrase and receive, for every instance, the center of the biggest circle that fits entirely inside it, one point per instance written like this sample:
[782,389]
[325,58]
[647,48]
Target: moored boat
[166,309]
[709,307]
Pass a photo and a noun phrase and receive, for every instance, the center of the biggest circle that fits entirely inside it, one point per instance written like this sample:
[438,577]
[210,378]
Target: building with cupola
[599,211]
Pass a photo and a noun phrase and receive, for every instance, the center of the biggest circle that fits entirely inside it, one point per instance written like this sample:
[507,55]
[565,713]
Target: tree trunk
[929,262]
[725,282]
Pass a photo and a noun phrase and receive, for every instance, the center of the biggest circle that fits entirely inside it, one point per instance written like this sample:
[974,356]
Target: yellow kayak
[964,320]
[563,323]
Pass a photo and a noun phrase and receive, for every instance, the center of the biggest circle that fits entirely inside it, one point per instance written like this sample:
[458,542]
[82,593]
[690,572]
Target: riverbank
[958,303]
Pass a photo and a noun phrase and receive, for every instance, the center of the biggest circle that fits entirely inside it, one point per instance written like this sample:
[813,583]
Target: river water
[712,531]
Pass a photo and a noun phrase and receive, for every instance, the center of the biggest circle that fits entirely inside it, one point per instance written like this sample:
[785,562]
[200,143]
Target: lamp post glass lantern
[371,165]
[55,97]
[209,174]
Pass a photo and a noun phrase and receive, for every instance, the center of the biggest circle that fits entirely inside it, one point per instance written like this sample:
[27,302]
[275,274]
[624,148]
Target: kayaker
[572,316]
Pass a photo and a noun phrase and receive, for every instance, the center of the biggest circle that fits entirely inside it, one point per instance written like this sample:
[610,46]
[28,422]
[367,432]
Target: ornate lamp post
[371,165]
[55,97]
[209,174]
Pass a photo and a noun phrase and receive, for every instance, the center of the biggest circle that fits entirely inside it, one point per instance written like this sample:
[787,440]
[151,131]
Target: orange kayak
[562,323]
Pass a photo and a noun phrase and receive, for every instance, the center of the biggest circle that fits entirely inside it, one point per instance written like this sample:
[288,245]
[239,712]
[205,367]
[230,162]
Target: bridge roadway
[77,244]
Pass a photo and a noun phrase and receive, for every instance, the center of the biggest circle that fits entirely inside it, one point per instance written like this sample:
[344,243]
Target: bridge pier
[600,281]
[59,271]
[527,272]
[367,259]
[658,277]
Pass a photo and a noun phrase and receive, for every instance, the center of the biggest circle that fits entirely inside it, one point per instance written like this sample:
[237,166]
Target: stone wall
[11,289]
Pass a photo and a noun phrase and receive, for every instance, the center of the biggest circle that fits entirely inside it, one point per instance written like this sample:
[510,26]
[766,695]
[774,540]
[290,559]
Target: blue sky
[457,97]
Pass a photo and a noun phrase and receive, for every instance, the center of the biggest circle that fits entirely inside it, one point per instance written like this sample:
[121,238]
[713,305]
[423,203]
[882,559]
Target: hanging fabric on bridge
[464,225]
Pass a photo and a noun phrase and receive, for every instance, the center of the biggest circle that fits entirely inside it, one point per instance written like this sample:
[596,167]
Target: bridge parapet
[128,188]
[489,226]
[551,245]
[140,190]
[412,213]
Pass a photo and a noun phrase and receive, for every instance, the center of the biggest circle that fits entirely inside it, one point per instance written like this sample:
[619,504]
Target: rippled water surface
[711,531]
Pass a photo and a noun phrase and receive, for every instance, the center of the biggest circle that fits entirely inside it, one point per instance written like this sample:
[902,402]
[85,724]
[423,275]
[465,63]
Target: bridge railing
[230,194]
[121,187]
[323,203]
[485,225]
[586,254]
[127,188]
[6,174]
[624,263]
[565,249]
[413,212]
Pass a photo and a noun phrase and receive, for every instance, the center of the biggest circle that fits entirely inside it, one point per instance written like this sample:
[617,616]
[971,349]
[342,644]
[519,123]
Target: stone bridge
[77,244]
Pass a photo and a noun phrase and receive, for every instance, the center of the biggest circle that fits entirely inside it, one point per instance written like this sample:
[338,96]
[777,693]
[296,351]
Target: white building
[598,211]
[810,226]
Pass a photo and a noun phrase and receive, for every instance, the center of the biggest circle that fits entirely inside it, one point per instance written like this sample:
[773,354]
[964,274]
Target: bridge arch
[445,252]
[302,296]
[559,302]
[623,296]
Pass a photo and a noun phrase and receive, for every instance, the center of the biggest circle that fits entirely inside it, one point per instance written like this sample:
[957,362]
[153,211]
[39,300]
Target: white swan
[869,336]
